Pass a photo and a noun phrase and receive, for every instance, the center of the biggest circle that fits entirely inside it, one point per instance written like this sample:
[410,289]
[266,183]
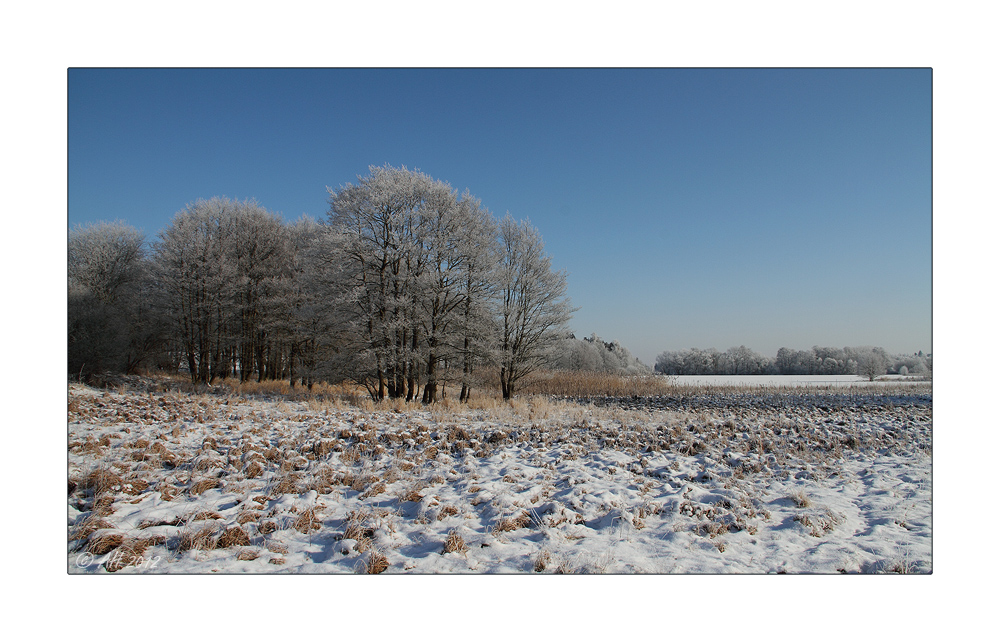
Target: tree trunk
[463,396]
[430,389]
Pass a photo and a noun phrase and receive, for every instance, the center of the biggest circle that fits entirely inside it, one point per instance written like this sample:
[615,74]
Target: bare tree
[110,324]
[477,326]
[316,327]
[376,227]
[257,244]
[534,309]
[104,258]
[872,362]
[197,278]
[743,360]
[459,239]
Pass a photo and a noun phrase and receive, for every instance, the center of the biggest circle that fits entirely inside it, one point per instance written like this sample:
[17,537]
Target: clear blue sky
[690,207]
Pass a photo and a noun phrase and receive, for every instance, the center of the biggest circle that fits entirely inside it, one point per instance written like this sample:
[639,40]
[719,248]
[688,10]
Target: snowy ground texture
[752,482]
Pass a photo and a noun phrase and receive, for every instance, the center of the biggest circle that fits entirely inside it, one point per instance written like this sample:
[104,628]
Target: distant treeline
[593,354]
[866,361]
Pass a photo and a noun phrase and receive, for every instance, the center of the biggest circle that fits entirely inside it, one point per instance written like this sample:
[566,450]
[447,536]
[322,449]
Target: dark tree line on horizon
[406,286]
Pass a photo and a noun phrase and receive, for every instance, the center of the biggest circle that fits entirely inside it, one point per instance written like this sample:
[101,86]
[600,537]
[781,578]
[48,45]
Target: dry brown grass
[308,521]
[247,516]
[253,469]
[130,553]
[358,531]
[800,499]
[596,384]
[513,523]
[199,487]
[324,447]
[167,492]
[102,507]
[234,536]
[105,543]
[247,554]
[455,543]
[411,495]
[446,512]
[277,547]
[322,396]
[350,455]
[287,484]
[89,526]
[134,486]
[200,540]
[102,480]
[819,525]
[541,561]
[161,451]
[374,489]
[360,528]
[376,562]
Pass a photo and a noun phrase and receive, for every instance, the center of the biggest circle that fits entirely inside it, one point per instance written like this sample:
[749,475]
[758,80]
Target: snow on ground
[164,482]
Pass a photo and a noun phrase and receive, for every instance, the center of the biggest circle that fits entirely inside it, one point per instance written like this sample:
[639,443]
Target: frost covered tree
[786,361]
[192,266]
[914,364]
[596,355]
[227,269]
[104,258]
[403,289]
[872,362]
[257,245]
[377,226]
[534,309]
[228,273]
[459,239]
[477,325]
[448,248]
[311,324]
[111,326]
[694,361]
[418,277]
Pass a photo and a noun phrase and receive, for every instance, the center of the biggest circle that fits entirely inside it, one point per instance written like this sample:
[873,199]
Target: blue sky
[690,207]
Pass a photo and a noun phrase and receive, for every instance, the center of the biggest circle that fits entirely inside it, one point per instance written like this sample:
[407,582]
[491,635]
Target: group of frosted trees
[435,289]
[407,286]
[595,355]
[866,361]
[737,360]
[112,326]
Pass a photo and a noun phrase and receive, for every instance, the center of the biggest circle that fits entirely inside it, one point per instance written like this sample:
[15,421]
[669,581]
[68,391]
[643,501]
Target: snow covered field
[165,482]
